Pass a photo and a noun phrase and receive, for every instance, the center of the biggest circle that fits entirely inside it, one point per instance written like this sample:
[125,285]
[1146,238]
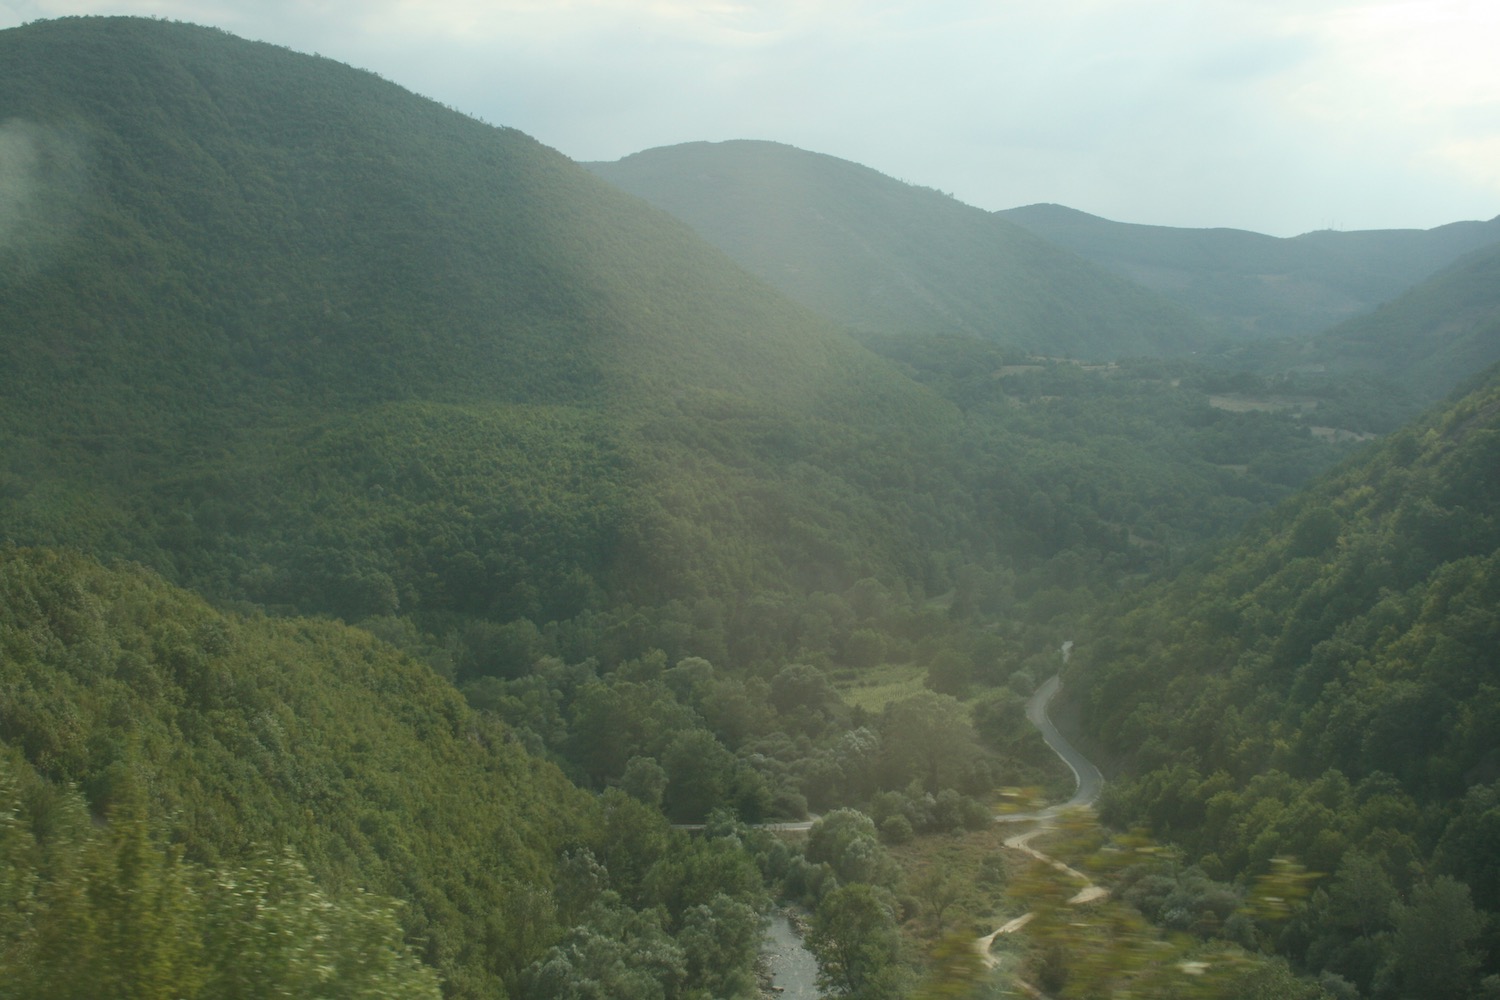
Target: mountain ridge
[1256,286]
[887,257]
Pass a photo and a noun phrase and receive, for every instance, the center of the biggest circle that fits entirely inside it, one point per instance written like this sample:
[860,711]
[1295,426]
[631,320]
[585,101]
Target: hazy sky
[1279,116]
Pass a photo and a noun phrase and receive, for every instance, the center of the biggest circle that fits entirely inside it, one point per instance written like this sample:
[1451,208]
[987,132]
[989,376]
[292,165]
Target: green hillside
[294,336]
[195,803]
[1428,340]
[279,279]
[885,257]
[1325,690]
[1253,286]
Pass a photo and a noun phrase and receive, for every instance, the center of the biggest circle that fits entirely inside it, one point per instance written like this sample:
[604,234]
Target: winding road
[1090,784]
[1090,781]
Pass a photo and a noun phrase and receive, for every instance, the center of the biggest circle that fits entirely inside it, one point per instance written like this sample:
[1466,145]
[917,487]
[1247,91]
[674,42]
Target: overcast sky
[1280,116]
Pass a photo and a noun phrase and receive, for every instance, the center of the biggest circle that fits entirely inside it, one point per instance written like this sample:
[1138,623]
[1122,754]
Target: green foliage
[254,734]
[845,840]
[113,911]
[257,735]
[856,942]
[1321,691]
[926,740]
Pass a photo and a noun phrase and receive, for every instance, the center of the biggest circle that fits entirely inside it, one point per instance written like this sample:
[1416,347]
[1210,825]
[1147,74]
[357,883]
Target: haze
[1277,117]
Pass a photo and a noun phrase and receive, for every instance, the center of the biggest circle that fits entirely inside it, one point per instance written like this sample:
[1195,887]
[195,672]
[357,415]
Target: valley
[430,566]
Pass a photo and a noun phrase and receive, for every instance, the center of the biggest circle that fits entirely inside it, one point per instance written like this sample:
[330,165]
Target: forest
[428,570]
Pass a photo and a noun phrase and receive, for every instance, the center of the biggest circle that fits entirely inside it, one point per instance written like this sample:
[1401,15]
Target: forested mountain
[293,334]
[1326,691]
[890,258]
[1430,339]
[1254,286]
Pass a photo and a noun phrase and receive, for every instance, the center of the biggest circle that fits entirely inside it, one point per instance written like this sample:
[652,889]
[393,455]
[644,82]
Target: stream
[794,971]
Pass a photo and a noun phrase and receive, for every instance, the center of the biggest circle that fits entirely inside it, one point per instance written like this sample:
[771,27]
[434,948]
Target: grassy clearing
[876,688]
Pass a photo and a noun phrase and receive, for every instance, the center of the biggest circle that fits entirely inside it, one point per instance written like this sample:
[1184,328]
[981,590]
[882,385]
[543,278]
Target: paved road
[1090,781]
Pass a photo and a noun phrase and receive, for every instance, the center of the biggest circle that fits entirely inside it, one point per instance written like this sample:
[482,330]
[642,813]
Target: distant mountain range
[885,257]
[1251,286]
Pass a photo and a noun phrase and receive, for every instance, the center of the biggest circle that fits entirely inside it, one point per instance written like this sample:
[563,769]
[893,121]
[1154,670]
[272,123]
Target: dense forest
[1324,691]
[430,570]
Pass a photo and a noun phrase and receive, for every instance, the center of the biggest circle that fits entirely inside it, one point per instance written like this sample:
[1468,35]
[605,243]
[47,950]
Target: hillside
[275,305]
[1425,342]
[1323,691]
[1253,286]
[195,803]
[885,257]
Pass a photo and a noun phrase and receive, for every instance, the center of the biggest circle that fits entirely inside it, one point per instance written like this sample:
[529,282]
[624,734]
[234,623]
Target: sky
[1277,116]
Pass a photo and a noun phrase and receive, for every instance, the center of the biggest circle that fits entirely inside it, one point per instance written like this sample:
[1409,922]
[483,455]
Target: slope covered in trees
[1254,286]
[886,257]
[270,283]
[1326,691]
[293,806]
[1422,344]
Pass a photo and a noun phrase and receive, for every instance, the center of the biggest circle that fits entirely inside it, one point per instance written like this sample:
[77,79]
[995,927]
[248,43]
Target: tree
[927,738]
[856,943]
[1432,950]
[700,773]
[644,779]
[950,672]
[938,890]
[721,939]
[846,841]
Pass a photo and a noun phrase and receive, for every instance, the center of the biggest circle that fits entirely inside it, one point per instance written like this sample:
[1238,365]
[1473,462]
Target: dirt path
[1090,784]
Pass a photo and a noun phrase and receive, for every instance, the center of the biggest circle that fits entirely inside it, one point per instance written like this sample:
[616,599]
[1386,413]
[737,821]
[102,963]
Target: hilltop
[887,257]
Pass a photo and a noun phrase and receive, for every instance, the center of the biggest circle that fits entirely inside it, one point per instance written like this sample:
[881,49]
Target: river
[794,971]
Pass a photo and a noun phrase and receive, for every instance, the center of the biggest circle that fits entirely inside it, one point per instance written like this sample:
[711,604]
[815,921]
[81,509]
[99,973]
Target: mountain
[1323,691]
[1253,286]
[291,334]
[885,257]
[1433,337]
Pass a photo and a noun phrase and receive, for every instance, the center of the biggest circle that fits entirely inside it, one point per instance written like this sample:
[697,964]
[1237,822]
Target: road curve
[1090,784]
[1090,781]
